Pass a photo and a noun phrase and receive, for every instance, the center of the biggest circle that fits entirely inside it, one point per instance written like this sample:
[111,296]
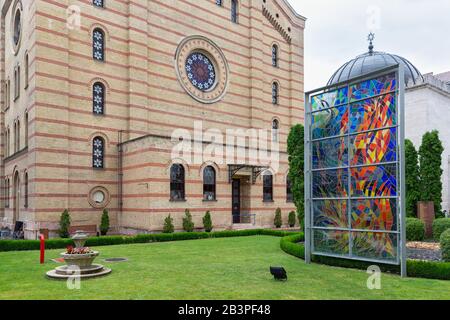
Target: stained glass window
[209,184]
[98,98]
[275,130]
[98,153]
[275,55]
[219,2]
[177,183]
[275,90]
[234,11]
[268,187]
[201,71]
[98,3]
[98,44]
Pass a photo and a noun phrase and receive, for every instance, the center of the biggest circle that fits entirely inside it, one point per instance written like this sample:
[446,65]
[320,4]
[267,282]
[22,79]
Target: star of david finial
[370,38]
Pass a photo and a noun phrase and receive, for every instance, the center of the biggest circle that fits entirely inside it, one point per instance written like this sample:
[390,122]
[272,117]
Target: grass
[227,268]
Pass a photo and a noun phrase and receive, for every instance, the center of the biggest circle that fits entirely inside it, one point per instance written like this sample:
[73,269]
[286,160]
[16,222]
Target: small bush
[104,224]
[207,222]
[188,224]
[439,226]
[415,229]
[278,222]
[64,224]
[292,219]
[445,245]
[168,225]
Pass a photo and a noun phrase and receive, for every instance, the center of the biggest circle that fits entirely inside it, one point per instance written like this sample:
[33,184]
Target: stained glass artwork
[373,113]
[200,71]
[373,245]
[374,87]
[274,56]
[330,153]
[374,181]
[329,123]
[98,153]
[354,162]
[98,43]
[374,214]
[98,3]
[274,93]
[329,99]
[373,147]
[98,98]
[330,213]
[330,183]
[331,241]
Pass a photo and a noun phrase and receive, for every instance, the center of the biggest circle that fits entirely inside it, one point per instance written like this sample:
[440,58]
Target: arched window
[98,153]
[275,91]
[219,2]
[98,44]
[26,129]
[209,184]
[98,98]
[6,193]
[18,137]
[26,190]
[98,3]
[26,63]
[289,194]
[275,55]
[275,130]
[15,138]
[177,182]
[268,187]
[234,11]
[8,141]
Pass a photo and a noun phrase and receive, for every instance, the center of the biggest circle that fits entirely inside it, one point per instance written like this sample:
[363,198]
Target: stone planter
[425,212]
[80,260]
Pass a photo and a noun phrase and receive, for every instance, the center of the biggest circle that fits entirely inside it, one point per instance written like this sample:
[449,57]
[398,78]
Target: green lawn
[228,268]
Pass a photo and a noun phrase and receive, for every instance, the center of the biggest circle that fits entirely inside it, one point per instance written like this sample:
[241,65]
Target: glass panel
[331,241]
[374,214]
[373,87]
[330,183]
[374,181]
[329,99]
[380,246]
[330,153]
[330,213]
[331,122]
[373,147]
[373,114]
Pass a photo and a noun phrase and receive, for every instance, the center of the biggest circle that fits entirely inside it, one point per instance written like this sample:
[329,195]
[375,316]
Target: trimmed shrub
[64,224]
[207,222]
[188,224]
[439,226]
[292,219]
[415,229]
[104,224]
[168,225]
[278,220]
[445,245]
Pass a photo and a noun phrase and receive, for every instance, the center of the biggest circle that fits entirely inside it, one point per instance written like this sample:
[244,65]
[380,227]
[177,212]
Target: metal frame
[400,170]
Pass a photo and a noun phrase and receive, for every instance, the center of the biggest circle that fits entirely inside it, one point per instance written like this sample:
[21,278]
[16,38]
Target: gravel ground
[424,254]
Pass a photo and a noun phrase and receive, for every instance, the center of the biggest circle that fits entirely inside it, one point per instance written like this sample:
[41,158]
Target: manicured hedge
[415,229]
[445,245]
[417,269]
[439,226]
[25,245]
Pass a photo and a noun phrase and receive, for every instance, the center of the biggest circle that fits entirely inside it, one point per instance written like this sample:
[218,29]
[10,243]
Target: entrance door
[236,200]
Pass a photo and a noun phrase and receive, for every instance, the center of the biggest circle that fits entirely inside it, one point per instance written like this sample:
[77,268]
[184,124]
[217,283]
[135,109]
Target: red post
[42,238]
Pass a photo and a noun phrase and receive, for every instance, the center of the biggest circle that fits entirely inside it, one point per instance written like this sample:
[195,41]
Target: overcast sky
[336,31]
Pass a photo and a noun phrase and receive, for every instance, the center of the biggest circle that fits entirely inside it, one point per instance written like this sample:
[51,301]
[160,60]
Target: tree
[430,157]
[296,151]
[64,224]
[207,222]
[278,222]
[292,219]
[168,225]
[104,224]
[412,179]
[188,225]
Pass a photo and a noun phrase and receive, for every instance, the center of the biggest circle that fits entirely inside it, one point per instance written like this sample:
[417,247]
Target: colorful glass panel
[374,214]
[378,246]
[330,153]
[330,122]
[331,242]
[200,71]
[330,213]
[374,113]
[330,183]
[374,181]
[329,99]
[373,147]
[374,87]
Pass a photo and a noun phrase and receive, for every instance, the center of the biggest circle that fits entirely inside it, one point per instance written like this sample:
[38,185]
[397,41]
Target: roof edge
[296,14]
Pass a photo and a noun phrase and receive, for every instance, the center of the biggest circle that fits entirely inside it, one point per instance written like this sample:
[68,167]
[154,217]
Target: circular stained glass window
[200,71]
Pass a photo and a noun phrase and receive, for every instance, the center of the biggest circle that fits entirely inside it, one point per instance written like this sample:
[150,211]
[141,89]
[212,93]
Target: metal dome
[373,61]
